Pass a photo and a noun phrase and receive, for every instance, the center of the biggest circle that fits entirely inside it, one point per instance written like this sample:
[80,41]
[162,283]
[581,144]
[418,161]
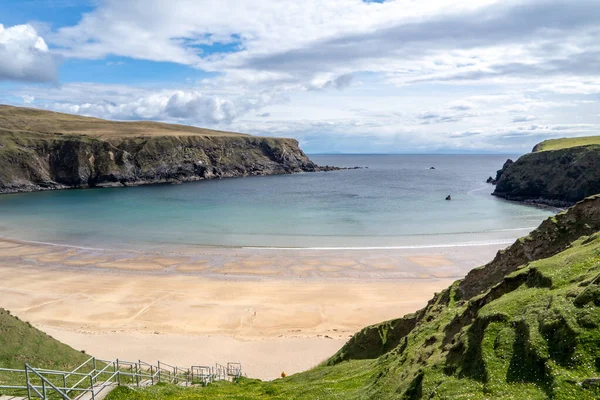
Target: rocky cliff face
[39,161]
[558,177]
[553,236]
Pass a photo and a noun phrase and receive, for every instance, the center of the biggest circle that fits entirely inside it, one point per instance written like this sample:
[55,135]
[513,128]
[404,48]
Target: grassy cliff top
[565,143]
[31,120]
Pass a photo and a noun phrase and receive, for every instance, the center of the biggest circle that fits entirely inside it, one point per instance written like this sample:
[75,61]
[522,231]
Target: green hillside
[21,343]
[534,333]
[32,121]
[565,143]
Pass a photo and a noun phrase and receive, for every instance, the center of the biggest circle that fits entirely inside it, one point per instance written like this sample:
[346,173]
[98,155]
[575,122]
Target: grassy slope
[26,121]
[565,143]
[21,343]
[535,335]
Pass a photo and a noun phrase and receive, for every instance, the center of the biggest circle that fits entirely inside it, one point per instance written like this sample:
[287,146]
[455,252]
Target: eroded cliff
[41,150]
[559,176]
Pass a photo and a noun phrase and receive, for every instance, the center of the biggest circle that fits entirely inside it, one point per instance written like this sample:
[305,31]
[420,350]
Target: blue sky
[340,76]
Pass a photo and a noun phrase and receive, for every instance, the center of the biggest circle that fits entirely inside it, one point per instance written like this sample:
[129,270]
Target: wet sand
[273,310]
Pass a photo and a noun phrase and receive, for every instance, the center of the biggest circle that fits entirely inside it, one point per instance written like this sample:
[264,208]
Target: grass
[535,335]
[29,120]
[347,381]
[21,343]
[565,143]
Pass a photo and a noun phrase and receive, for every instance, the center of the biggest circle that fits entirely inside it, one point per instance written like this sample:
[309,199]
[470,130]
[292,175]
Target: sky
[341,76]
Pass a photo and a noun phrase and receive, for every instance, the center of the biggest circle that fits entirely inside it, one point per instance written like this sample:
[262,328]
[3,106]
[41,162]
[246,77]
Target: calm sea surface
[396,202]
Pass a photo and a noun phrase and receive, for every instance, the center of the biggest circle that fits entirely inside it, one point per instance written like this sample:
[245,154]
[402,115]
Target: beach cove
[222,304]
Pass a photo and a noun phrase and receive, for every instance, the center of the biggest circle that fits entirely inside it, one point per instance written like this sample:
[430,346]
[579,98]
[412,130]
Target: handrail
[80,381]
[138,371]
[103,369]
[79,367]
[53,372]
[12,370]
[44,380]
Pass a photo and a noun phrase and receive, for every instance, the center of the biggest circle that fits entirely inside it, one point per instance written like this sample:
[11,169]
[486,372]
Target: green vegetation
[21,343]
[30,120]
[534,335]
[565,143]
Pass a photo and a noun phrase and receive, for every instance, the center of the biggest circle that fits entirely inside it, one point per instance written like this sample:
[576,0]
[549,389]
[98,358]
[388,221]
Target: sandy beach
[272,310]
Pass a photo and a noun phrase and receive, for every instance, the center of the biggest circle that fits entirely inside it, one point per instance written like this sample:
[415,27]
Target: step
[98,395]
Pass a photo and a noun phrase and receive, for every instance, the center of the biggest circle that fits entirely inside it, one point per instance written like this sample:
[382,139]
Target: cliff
[558,172]
[42,150]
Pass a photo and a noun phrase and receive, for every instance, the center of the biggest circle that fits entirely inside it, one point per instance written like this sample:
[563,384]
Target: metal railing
[94,375]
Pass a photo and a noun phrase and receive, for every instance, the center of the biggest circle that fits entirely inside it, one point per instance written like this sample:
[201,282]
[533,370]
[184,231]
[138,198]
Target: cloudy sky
[339,75]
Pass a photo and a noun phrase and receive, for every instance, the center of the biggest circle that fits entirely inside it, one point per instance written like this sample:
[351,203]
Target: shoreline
[225,304]
[275,248]
[229,263]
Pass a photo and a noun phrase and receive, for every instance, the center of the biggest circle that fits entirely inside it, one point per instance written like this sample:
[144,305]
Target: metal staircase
[95,378]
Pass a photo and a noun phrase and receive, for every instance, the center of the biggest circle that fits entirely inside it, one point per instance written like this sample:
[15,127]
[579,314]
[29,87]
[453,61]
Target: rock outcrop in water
[557,177]
[41,150]
[499,173]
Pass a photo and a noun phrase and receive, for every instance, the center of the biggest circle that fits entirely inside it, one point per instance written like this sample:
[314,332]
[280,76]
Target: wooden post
[159,371]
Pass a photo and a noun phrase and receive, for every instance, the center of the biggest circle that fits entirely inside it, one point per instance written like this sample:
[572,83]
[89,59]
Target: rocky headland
[43,150]
[557,173]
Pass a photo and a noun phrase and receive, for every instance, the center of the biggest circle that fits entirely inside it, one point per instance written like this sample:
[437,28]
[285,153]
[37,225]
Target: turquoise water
[396,202]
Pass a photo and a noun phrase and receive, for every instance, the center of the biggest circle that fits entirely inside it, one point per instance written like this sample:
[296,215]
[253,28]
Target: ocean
[395,201]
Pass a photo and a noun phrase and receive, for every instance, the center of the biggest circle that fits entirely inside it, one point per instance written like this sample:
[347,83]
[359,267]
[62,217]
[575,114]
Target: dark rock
[48,161]
[448,197]
[500,172]
[557,178]
[431,167]
[591,382]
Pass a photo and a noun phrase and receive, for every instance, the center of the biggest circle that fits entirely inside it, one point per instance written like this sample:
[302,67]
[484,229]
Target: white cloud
[412,41]
[402,74]
[24,56]
[126,103]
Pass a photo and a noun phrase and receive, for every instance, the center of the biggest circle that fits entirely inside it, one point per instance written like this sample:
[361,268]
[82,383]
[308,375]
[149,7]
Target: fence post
[118,373]
[92,386]
[27,381]
[158,371]
[152,374]
[137,374]
[65,381]
[44,389]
